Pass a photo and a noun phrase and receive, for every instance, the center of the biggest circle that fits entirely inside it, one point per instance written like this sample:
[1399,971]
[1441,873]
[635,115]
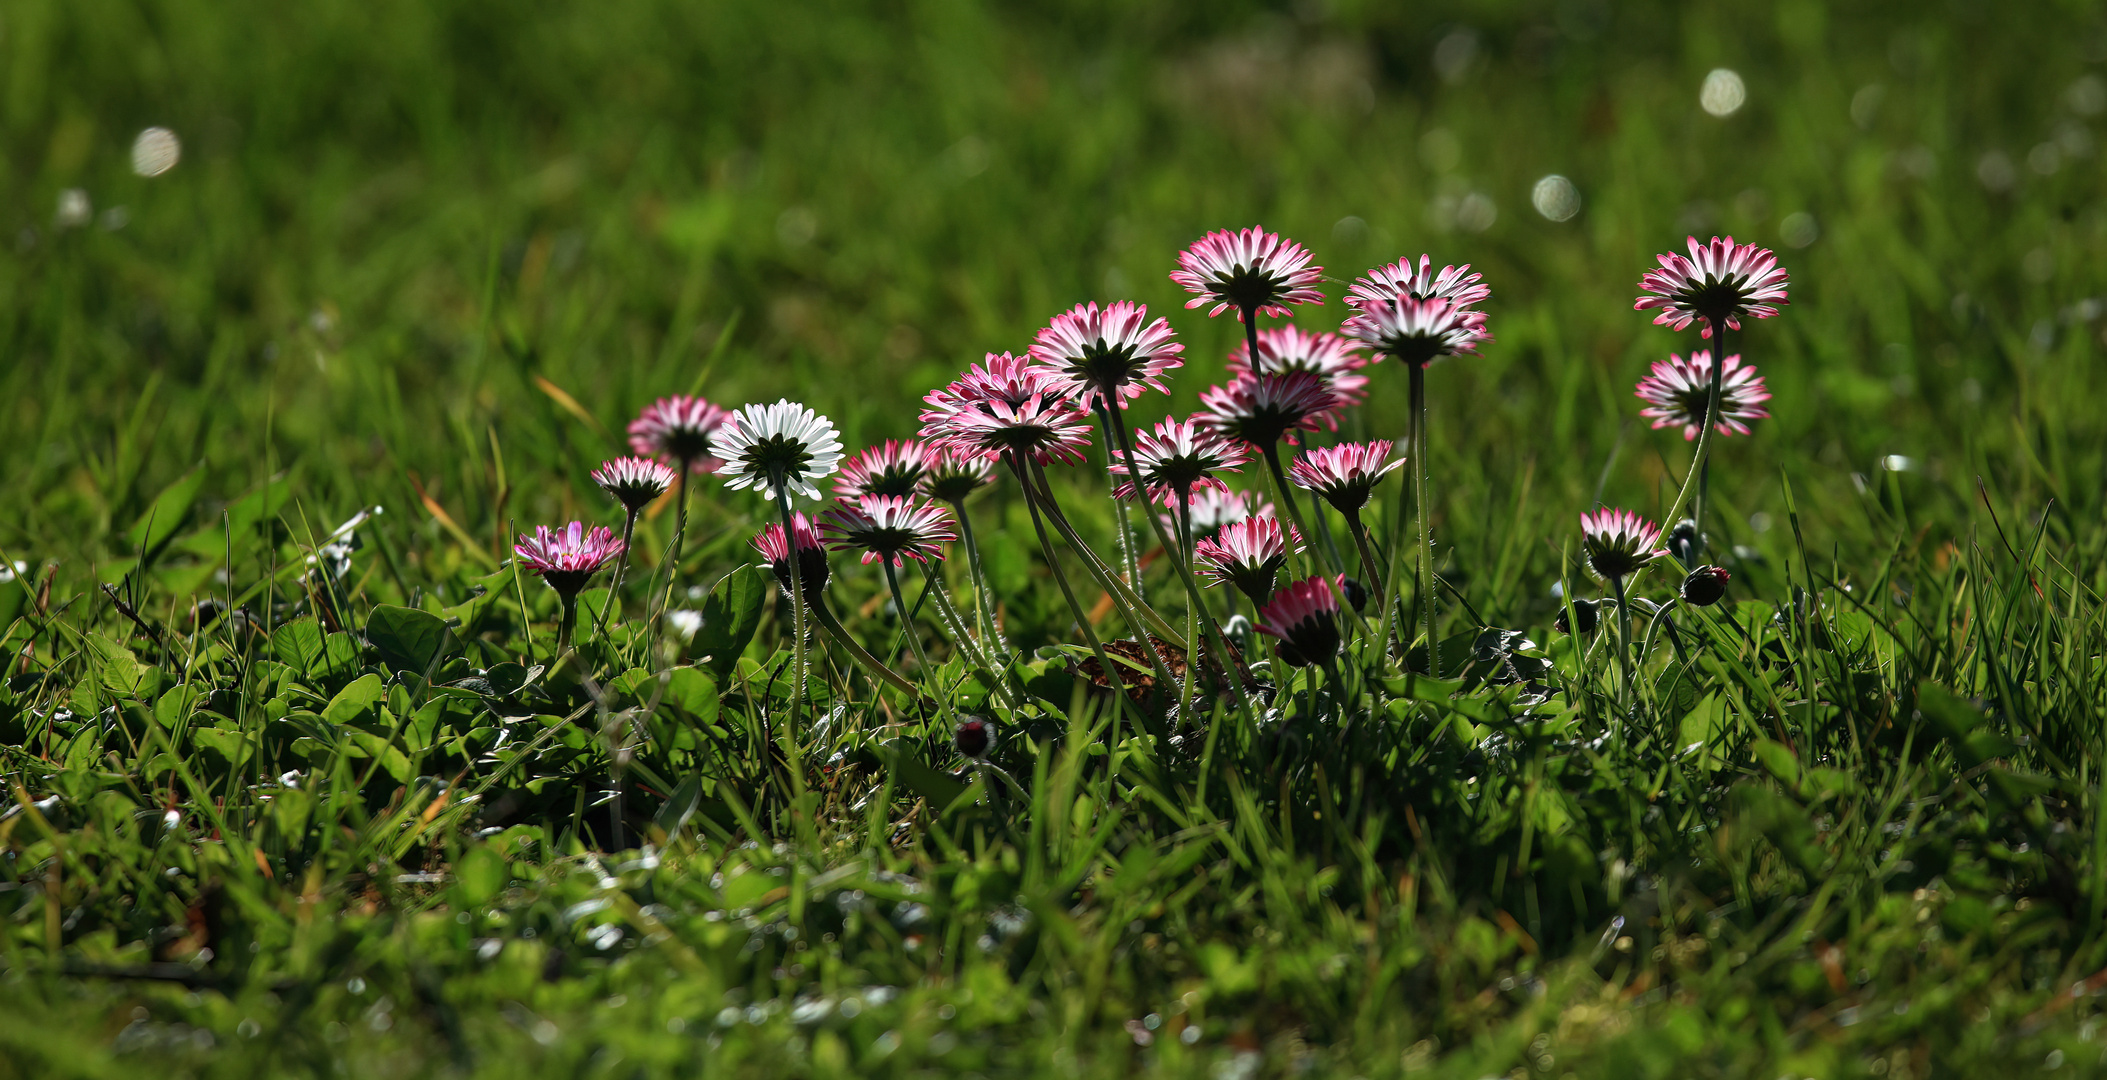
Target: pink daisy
[634,481]
[811,556]
[1720,281]
[1089,351]
[1263,409]
[889,528]
[1247,554]
[1455,284]
[1285,349]
[679,429]
[1248,271]
[1418,331]
[1179,456]
[1344,475]
[1679,390]
[999,377]
[1305,617]
[891,468]
[952,476]
[1619,543]
[1211,509]
[1045,427]
[566,557]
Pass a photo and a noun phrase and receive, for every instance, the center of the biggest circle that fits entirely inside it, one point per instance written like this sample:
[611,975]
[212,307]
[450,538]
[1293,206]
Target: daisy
[998,377]
[1455,284]
[1211,510]
[1090,352]
[951,476]
[1704,586]
[1178,458]
[973,738]
[1043,427]
[1305,617]
[634,481]
[1250,272]
[679,429]
[1720,282]
[1344,475]
[811,556]
[888,527]
[1678,391]
[1618,544]
[1247,554]
[1263,409]
[781,448]
[1418,332]
[567,557]
[892,468]
[1286,349]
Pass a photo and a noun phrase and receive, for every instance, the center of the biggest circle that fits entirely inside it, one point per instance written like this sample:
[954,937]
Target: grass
[431,257]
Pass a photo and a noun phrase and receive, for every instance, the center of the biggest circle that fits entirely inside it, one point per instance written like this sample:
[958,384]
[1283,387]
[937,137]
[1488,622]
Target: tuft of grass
[293,784]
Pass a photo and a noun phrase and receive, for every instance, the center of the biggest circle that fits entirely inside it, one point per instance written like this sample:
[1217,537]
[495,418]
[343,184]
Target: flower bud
[1705,586]
[1684,542]
[1356,594]
[1583,613]
[973,738]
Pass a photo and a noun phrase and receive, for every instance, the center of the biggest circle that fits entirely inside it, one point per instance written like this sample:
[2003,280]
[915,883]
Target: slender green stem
[664,597]
[983,601]
[1426,533]
[567,623]
[797,603]
[914,640]
[614,590]
[1286,501]
[1624,686]
[1075,607]
[1132,608]
[1704,435]
[878,668]
[1360,543]
[976,654]
[1129,558]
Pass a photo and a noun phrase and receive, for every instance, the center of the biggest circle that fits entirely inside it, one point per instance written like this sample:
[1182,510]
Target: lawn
[309,311]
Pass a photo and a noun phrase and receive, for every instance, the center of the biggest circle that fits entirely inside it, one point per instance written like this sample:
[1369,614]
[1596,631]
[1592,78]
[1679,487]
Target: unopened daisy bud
[1705,586]
[973,738]
[811,556]
[1584,613]
[1356,593]
[1305,617]
[1684,543]
[634,481]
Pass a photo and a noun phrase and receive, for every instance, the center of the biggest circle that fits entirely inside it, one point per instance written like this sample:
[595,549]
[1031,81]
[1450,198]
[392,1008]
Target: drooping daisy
[1264,409]
[811,556]
[1679,389]
[1247,554]
[777,448]
[1286,349]
[1180,457]
[1619,543]
[1250,271]
[888,528]
[1305,618]
[952,476]
[1043,427]
[891,468]
[1455,284]
[634,481]
[1418,331]
[1090,352]
[567,557]
[1344,475]
[1721,281]
[680,430]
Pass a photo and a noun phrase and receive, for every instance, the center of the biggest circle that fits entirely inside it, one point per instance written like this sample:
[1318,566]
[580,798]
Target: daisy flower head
[1263,409]
[888,527]
[811,556]
[952,476]
[1212,508]
[777,448]
[1721,281]
[1418,331]
[1284,349]
[973,738]
[1678,390]
[1043,427]
[890,468]
[998,377]
[634,481]
[1618,543]
[1090,352]
[1247,554]
[1455,284]
[1344,475]
[566,557]
[1248,271]
[680,430]
[1305,617]
[1179,456]
[1704,586]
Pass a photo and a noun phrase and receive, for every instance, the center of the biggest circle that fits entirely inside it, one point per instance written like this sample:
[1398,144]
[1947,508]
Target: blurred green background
[389,218]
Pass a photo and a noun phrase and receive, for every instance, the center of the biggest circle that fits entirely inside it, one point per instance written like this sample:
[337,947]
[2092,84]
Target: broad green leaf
[355,702]
[407,639]
[479,876]
[120,669]
[692,693]
[298,644]
[729,618]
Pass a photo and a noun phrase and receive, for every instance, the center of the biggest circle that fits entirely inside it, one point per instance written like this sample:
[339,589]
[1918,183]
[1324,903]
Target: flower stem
[614,590]
[1287,502]
[797,602]
[1426,534]
[976,655]
[680,532]
[983,601]
[1129,559]
[878,668]
[914,640]
[1132,608]
[567,623]
[1360,543]
[1075,607]
[1704,437]
[1624,687]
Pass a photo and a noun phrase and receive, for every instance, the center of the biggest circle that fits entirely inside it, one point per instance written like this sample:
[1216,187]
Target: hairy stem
[1426,533]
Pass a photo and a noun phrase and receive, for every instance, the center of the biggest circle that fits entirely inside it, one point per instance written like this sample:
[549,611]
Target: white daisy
[775,447]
